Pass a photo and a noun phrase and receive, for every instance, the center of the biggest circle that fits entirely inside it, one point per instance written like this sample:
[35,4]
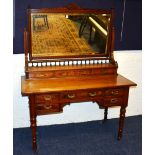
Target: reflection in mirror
[69,34]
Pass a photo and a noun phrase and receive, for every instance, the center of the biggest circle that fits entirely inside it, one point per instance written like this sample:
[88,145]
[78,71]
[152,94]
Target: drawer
[113,101]
[47,98]
[114,92]
[81,95]
[42,109]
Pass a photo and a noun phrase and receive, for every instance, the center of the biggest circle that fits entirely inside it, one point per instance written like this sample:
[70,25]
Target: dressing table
[69,59]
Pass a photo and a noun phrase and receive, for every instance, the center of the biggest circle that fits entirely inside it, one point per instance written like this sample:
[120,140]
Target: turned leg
[105,114]
[33,121]
[121,122]
[33,128]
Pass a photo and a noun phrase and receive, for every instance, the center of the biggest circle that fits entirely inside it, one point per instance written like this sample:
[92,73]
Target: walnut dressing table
[62,66]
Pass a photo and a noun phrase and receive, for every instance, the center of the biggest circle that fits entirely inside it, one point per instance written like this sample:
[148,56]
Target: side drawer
[113,101]
[47,98]
[114,92]
[43,109]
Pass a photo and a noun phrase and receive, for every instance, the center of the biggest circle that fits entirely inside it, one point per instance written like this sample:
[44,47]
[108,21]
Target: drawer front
[81,95]
[44,74]
[114,92]
[47,98]
[113,101]
[48,103]
[47,108]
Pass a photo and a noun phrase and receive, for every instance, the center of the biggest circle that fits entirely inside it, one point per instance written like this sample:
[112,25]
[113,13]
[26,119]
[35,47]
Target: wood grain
[29,86]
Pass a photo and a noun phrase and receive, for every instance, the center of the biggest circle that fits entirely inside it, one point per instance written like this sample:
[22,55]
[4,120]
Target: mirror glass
[59,34]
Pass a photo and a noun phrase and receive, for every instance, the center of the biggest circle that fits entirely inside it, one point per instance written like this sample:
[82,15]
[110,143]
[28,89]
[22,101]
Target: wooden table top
[35,86]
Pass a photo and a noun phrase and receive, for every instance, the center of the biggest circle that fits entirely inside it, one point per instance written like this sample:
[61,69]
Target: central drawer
[84,95]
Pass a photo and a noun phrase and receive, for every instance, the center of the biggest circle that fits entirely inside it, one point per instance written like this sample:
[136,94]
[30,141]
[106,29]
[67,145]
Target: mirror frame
[71,9]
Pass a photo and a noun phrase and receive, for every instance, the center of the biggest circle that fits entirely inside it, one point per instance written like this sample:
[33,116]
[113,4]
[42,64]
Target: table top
[35,86]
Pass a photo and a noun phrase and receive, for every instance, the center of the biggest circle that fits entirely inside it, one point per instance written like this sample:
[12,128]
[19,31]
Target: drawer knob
[92,94]
[47,98]
[115,92]
[47,107]
[71,96]
[114,100]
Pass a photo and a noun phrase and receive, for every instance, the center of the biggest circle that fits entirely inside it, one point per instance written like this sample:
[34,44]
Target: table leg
[33,121]
[121,121]
[105,113]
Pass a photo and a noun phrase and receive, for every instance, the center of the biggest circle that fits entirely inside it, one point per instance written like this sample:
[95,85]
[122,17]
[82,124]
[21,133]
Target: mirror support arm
[112,46]
[26,51]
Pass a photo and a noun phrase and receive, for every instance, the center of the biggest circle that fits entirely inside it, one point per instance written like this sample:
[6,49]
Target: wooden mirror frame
[72,8]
